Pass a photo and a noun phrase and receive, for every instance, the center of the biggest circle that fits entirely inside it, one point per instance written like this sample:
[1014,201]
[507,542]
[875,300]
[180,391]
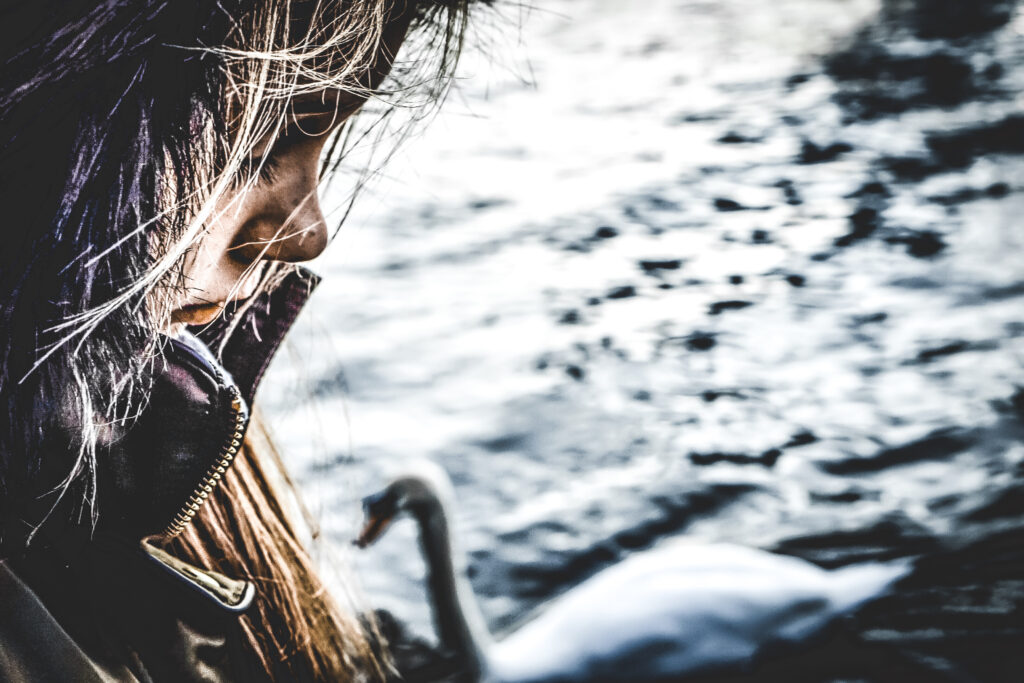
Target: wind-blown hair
[123,126]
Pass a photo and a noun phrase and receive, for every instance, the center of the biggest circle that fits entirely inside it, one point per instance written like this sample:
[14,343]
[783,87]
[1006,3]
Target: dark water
[743,271]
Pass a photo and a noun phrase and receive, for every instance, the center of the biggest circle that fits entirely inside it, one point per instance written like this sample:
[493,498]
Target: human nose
[285,221]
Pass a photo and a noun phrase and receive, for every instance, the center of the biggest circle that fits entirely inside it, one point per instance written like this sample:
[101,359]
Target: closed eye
[264,167]
[267,164]
[267,167]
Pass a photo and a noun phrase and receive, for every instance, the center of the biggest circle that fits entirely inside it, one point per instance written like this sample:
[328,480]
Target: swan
[679,610]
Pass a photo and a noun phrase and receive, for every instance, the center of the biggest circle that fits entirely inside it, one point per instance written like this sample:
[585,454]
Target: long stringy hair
[125,126]
[296,628]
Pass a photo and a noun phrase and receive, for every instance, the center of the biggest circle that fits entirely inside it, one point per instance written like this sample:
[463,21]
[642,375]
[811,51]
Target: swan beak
[379,511]
[373,528]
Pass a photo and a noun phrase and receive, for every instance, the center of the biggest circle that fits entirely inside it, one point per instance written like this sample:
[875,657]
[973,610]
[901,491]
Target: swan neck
[460,624]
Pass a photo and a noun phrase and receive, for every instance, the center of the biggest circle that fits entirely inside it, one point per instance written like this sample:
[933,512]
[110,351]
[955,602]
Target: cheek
[205,261]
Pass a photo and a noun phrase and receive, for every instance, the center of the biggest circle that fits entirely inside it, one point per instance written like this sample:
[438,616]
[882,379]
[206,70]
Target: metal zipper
[232,594]
[229,449]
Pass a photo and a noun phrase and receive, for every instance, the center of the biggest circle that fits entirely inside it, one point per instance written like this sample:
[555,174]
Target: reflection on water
[741,270]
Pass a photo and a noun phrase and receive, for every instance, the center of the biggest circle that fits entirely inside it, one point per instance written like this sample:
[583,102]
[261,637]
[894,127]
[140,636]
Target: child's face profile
[278,218]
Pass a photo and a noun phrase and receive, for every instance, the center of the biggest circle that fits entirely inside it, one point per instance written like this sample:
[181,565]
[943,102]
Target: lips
[202,314]
[199,314]
[206,312]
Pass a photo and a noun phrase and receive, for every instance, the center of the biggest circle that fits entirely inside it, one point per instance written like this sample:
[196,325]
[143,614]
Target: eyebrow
[313,108]
[318,102]
[339,105]
[324,103]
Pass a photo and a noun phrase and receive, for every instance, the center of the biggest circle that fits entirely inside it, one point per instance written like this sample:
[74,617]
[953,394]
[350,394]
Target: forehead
[335,57]
[325,103]
[364,70]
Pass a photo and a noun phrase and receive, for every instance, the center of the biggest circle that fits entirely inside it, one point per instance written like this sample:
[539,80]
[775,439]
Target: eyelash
[267,165]
[267,168]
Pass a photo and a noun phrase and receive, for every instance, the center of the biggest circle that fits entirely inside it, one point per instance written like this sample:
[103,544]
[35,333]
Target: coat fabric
[103,604]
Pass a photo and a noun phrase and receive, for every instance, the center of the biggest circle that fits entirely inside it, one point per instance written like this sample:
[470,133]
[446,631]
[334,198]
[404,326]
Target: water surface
[738,270]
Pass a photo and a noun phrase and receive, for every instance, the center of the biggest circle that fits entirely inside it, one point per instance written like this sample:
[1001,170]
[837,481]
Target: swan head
[422,491]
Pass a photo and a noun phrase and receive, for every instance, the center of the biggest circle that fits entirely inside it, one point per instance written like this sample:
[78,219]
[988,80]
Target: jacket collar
[182,430]
[197,414]
[245,345]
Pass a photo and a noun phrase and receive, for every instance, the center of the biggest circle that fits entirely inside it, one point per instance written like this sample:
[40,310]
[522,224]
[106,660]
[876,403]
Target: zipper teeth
[213,475]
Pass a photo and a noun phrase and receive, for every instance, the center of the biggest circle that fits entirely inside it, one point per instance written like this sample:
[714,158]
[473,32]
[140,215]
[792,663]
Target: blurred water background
[741,270]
